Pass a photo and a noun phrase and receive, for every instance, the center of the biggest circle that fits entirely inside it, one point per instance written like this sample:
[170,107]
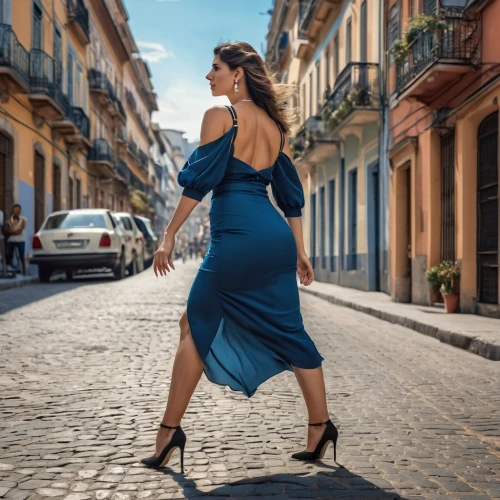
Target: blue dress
[243,307]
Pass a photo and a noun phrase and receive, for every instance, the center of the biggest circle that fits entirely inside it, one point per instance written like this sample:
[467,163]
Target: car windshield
[72,220]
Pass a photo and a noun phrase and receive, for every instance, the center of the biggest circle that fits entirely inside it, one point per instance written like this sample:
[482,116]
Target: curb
[462,340]
[17,284]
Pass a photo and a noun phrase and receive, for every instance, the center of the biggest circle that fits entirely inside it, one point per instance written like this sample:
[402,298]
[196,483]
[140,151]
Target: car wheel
[120,270]
[69,275]
[44,274]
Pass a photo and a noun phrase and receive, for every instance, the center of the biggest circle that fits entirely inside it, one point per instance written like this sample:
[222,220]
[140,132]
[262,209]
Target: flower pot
[450,302]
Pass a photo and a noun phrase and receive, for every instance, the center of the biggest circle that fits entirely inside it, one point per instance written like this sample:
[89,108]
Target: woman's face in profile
[221,78]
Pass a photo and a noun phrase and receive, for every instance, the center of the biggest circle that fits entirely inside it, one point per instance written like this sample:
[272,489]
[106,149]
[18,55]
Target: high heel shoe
[178,441]
[331,434]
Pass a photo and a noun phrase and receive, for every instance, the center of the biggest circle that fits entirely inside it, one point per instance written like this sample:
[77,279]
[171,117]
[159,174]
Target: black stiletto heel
[178,441]
[331,434]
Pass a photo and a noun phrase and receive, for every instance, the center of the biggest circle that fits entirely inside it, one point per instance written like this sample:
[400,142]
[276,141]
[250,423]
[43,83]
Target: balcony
[132,149]
[101,159]
[75,126]
[312,143]
[143,159]
[46,94]
[313,14]
[78,20]
[121,141]
[355,99]
[301,45]
[102,89]
[14,63]
[434,60]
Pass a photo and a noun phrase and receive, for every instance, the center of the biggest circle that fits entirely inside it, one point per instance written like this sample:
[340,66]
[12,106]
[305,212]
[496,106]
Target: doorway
[373,208]
[487,210]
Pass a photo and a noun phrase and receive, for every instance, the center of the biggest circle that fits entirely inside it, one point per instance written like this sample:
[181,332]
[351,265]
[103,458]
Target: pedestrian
[242,324]
[17,236]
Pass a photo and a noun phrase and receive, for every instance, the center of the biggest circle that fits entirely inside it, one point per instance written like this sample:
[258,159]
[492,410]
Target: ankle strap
[321,423]
[169,427]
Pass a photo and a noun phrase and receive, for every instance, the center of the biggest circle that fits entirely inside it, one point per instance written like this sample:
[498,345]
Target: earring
[236,89]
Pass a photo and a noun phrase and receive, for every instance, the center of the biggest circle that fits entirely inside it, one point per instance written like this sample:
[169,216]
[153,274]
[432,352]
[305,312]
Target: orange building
[444,96]
[67,137]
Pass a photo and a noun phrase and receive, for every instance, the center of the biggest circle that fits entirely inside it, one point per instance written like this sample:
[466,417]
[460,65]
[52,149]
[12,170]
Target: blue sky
[177,38]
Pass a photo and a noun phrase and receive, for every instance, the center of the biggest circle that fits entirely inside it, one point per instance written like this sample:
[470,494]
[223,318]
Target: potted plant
[432,276]
[449,273]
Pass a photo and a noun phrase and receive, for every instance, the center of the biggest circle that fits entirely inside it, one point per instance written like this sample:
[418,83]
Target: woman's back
[258,137]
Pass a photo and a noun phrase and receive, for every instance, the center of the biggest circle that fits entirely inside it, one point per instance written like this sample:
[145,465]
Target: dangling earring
[236,89]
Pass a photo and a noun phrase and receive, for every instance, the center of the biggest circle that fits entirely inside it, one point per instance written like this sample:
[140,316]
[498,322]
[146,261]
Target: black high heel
[178,441]
[331,434]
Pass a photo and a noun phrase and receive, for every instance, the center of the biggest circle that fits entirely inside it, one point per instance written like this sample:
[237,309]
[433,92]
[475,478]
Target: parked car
[150,239]
[74,240]
[133,235]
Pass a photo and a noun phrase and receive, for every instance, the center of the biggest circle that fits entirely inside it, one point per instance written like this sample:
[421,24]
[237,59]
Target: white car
[134,236]
[73,240]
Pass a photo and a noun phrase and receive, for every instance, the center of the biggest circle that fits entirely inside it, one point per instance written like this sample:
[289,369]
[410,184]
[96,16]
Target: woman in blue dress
[242,324]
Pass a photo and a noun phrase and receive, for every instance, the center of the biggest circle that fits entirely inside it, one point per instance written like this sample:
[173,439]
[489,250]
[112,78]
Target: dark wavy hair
[263,87]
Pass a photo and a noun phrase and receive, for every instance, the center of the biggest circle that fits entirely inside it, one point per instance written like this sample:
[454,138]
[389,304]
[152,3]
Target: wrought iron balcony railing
[100,81]
[42,79]
[130,99]
[80,13]
[13,55]
[101,152]
[124,171]
[132,147]
[81,120]
[121,109]
[459,43]
[143,158]
[357,86]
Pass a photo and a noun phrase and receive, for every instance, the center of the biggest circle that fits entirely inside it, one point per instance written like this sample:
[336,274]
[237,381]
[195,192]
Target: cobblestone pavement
[84,376]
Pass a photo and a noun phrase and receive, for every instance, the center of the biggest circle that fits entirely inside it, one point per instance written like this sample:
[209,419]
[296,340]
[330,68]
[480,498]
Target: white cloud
[182,107]
[154,52]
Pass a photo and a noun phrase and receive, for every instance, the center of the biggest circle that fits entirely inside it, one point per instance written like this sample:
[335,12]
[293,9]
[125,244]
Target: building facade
[444,91]
[67,124]
[331,50]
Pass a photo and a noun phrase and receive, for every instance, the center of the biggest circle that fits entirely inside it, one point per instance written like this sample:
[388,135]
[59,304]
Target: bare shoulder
[216,122]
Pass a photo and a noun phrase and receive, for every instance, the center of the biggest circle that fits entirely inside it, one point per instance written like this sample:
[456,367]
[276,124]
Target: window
[70,220]
[327,70]
[322,228]
[37,27]
[336,56]
[78,193]
[318,88]
[363,33]
[5,12]
[310,93]
[353,219]
[70,194]
[348,42]
[429,6]
[331,219]
[56,187]
[393,26]
[58,61]
[313,229]
[70,79]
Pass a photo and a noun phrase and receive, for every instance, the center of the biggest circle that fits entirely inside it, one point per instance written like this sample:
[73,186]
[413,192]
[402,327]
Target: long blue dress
[243,307]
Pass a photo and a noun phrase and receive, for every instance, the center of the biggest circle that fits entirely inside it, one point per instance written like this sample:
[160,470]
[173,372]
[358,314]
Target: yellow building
[66,137]
[331,50]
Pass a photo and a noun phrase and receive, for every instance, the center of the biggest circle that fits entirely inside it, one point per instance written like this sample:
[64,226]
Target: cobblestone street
[84,373]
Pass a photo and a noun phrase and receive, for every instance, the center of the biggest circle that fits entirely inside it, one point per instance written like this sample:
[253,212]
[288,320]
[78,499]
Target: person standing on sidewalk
[242,324]
[17,238]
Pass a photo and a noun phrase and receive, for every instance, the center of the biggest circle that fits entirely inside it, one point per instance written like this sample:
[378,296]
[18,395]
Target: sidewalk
[19,280]
[476,334]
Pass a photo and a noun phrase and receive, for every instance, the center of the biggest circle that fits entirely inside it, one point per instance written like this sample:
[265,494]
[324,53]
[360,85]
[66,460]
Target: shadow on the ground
[338,482]
[19,297]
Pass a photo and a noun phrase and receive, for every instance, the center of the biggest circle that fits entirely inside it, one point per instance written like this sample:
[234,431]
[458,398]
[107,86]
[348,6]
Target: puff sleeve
[205,168]
[287,188]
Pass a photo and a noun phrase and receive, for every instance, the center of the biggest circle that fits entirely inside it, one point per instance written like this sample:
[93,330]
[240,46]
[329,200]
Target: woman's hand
[163,256]
[304,270]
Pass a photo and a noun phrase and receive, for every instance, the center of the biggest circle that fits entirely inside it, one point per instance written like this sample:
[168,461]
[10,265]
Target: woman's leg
[312,384]
[186,373]
[10,252]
